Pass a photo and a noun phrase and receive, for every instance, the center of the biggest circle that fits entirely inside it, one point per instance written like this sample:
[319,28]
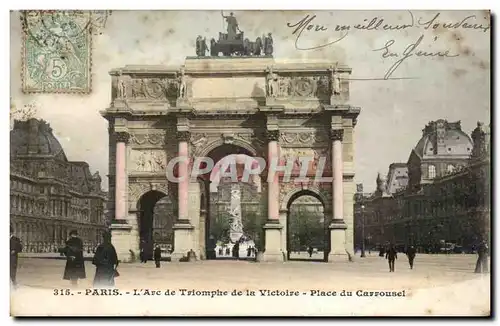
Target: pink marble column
[183,204]
[273,186]
[338,167]
[121,175]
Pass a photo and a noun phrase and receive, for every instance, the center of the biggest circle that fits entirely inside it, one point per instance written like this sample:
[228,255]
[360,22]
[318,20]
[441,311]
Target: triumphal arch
[248,105]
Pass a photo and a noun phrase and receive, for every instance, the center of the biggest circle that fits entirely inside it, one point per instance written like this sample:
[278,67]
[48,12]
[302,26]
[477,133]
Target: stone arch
[314,191]
[136,190]
[203,152]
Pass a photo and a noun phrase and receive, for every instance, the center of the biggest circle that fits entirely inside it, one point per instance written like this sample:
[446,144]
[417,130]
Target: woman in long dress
[106,262]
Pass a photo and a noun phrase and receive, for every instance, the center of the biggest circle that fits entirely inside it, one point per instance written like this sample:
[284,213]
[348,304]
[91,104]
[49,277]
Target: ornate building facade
[211,107]
[49,195]
[448,197]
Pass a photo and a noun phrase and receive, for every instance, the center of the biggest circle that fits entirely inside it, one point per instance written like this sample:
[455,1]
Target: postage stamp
[56,52]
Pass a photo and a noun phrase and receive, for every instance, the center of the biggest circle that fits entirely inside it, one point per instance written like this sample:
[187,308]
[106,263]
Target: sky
[393,112]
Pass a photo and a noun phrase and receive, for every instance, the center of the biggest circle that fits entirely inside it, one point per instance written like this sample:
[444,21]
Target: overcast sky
[393,112]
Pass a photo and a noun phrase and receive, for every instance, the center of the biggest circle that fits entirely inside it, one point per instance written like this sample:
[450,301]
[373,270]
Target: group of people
[105,260]
[391,254]
[146,251]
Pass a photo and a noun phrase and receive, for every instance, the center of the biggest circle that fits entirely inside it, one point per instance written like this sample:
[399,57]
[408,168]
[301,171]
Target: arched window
[432,171]
[450,168]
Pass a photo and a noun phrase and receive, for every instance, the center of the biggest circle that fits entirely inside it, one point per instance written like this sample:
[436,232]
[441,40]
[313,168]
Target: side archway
[155,218]
[306,224]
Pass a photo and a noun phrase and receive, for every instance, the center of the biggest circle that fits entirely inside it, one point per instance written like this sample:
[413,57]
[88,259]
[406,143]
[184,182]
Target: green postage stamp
[56,51]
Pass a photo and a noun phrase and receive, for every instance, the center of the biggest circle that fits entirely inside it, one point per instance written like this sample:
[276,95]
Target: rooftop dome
[34,137]
[443,138]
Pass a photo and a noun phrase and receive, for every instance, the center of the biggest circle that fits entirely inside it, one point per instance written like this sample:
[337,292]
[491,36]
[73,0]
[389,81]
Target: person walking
[75,267]
[482,258]
[391,255]
[157,255]
[310,251]
[15,248]
[106,262]
[411,252]
[142,251]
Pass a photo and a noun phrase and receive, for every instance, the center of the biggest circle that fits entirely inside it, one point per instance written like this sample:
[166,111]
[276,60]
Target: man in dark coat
[482,258]
[75,267]
[15,248]
[106,263]
[211,246]
[157,256]
[391,255]
[411,252]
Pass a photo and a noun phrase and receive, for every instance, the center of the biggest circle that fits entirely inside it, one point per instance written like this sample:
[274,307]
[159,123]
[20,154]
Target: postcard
[250,163]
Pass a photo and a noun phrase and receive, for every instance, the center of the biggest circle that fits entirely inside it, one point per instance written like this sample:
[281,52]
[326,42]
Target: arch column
[184,238]
[337,226]
[273,250]
[121,175]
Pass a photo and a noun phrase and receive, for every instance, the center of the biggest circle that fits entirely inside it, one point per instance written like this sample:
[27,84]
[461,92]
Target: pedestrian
[310,251]
[15,248]
[391,255]
[411,253]
[157,255]
[482,258]
[142,251]
[212,245]
[106,262]
[75,267]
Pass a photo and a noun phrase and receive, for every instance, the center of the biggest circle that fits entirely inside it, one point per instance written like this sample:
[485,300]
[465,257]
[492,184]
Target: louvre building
[49,195]
[440,197]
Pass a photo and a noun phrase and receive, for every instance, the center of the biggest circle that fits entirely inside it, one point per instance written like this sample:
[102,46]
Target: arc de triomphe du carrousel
[241,104]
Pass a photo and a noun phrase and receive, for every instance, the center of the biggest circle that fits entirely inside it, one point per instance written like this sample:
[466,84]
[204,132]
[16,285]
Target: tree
[305,229]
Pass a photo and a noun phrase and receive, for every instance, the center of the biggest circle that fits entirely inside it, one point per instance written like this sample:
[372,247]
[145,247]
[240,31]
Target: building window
[432,171]
[450,168]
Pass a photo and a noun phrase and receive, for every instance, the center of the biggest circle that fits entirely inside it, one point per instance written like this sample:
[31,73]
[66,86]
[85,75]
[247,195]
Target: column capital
[273,135]
[337,134]
[183,135]
[122,137]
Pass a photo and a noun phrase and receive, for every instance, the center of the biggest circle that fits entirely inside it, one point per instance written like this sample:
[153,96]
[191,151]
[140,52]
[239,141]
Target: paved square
[438,284]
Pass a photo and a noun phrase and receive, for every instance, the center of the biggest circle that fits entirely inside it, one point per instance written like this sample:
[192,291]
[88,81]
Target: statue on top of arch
[233,43]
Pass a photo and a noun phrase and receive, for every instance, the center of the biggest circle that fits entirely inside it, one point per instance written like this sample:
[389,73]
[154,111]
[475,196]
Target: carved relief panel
[137,88]
[152,161]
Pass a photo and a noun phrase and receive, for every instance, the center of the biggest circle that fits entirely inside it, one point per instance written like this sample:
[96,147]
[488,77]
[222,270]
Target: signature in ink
[411,50]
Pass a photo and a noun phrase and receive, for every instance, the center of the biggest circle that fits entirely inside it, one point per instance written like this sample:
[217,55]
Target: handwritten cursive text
[411,50]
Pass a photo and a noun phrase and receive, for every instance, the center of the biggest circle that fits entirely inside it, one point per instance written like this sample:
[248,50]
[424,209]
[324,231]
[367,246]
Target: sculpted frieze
[302,138]
[153,88]
[148,139]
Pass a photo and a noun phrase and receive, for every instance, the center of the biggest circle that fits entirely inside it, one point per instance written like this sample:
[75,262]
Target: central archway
[235,211]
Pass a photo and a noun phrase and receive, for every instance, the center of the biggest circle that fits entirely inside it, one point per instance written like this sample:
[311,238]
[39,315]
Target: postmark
[57,56]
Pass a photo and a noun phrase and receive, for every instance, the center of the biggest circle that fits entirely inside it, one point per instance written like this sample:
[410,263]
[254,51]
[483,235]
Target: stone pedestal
[337,242]
[183,239]
[273,251]
[121,237]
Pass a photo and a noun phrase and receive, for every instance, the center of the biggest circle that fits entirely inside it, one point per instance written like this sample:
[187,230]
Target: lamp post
[363,231]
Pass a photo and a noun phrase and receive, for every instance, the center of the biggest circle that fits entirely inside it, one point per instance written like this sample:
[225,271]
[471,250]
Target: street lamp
[363,231]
